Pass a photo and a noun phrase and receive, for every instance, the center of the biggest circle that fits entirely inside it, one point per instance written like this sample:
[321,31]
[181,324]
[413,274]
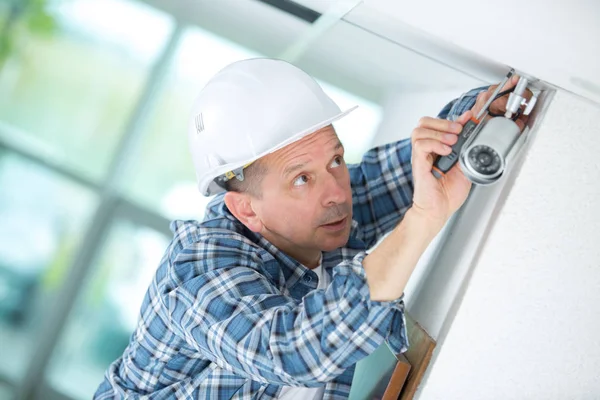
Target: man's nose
[334,192]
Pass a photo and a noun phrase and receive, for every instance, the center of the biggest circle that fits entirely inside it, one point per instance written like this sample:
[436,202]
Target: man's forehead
[323,137]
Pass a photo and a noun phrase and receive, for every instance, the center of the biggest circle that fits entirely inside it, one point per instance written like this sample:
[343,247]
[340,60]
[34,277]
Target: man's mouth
[336,225]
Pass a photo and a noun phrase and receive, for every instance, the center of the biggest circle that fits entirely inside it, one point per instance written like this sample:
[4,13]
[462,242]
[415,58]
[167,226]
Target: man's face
[306,200]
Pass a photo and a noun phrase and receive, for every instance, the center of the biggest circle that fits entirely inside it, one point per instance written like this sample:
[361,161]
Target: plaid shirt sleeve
[382,184]
[235,316]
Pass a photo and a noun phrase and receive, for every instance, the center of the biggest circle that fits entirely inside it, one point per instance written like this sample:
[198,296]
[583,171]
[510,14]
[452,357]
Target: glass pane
[75,104]
[6,392]
[43,217]
[106,312]
[3,16]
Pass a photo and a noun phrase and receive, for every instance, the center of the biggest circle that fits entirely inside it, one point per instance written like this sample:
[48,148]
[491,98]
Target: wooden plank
[419,353]
[385,376]
[398,379]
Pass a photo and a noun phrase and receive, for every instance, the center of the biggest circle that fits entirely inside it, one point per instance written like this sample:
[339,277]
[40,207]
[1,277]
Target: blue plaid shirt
[229,316]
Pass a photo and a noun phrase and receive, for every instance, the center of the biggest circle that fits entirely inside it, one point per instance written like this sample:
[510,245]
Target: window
[43,218]
[93,118]
[73,107]
[99,328]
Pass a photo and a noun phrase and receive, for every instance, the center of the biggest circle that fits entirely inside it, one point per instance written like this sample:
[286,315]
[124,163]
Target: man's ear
[240,205]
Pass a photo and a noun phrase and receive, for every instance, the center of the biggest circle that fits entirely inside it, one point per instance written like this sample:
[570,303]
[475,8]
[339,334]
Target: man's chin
[331,243]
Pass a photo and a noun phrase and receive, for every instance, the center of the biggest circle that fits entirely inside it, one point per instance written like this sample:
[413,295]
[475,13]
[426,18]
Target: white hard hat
[249,109]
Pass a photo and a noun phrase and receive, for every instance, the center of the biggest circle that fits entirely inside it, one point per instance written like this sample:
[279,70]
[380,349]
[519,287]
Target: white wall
[528,326]
[521,320]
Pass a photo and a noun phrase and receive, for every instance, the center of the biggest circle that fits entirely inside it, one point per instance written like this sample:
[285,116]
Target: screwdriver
[443,164]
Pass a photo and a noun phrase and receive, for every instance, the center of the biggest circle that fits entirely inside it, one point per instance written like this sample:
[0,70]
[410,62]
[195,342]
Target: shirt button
[307,278]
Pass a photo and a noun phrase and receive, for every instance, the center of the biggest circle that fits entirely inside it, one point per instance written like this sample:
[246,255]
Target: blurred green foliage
[32,15]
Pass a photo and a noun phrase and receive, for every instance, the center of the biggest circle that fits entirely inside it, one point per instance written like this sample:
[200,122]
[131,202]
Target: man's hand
[390,265]
[499,106]
[436,199]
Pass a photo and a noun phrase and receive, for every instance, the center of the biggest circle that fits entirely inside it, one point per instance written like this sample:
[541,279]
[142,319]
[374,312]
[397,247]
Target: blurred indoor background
[94,96]
[94,99]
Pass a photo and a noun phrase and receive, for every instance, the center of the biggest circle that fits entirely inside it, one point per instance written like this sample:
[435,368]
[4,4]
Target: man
[273,296]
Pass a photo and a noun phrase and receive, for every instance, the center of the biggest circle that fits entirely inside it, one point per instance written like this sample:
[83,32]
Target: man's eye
[337,162]
[301,180]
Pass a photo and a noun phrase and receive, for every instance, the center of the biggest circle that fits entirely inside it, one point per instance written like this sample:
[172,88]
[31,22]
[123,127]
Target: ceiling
[555,42]
[380,45]
[350,53]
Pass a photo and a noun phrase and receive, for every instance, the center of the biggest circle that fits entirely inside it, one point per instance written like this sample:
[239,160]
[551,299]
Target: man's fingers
[499,105]
[512,82]
[462,120]
[426,139]
[424,133]
[423,148]
[438,124]
[480,101]
[522,121]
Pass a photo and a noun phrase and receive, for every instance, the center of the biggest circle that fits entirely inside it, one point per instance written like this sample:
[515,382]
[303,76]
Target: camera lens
[484,160]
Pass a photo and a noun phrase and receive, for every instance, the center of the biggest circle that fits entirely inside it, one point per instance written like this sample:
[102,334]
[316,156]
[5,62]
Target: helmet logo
[199,124]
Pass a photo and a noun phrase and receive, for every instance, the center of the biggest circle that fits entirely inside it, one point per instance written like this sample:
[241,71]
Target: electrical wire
[517,114]
[504,93]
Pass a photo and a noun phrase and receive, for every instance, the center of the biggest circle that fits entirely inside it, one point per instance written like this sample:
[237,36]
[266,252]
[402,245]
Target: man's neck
[310,258]
[314,264]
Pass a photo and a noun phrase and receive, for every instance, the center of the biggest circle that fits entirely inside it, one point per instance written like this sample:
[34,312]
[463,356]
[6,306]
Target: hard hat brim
[208,187]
